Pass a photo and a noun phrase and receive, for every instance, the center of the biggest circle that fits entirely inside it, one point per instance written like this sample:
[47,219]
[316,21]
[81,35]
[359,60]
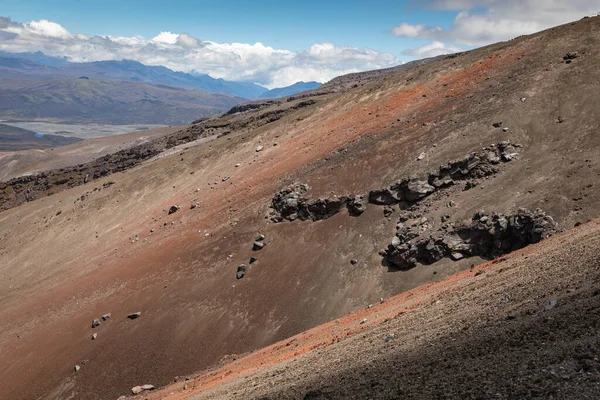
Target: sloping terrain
[496,331]
[119,244]
[27,162]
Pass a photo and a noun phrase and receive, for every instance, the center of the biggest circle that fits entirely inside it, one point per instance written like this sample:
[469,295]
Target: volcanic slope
[111,246]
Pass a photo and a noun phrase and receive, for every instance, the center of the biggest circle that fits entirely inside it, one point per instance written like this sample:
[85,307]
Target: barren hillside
[378,166]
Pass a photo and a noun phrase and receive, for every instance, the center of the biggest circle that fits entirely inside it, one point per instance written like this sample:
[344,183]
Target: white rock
[259,148]
[421,156]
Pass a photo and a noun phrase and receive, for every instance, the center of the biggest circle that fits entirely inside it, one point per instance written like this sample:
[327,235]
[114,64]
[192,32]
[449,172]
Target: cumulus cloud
[433,49]
[481,22]
[182,52]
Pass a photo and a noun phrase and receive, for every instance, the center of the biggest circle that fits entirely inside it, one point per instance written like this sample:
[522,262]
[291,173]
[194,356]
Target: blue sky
[274,43]
[293,25]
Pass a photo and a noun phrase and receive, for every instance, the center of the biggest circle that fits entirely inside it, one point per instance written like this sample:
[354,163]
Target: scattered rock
[95,323]
[241,271]
[252,260]
[456,256]
[258,246]
[77,368]
[387,211]
[551,304]
[260,238]
[421,156]
[106,316]
[497,124]
[389,338]
[259,148]
[505,129]
[94,336]
[134,315]
[560,120]
[480,272]
[570,56]
[511,317]
[225,178]
[354,261]
[173,209]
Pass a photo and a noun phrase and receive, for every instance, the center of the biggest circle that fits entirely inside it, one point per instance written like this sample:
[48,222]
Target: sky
[273,43]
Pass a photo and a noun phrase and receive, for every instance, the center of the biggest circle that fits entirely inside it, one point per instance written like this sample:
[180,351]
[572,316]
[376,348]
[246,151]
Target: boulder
[173,209]
[95,323]
[258,246]
[241,271]
[357,205]
[134,315]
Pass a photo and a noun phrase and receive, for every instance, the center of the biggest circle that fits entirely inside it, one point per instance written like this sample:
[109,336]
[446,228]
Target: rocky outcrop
[486,236]
[289,205]
[468,169]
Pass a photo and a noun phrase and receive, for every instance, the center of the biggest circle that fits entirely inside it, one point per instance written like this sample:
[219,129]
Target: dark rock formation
[289,204]
[486,236]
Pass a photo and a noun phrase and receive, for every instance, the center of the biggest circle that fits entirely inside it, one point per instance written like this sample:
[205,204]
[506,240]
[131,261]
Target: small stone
[137,389]
[106,316]
[241,271]
[134,315]
[226,178]
[421,156]
[362,321]
[95,323]
[237,165]
[258,246]
[497,124]
[252,260]
[260,238]
[259,148]
[505,129]
[94,336]
[77,368]
[173,209]
[456,256]
[523,99]
[480,272]
[193,206]
[551,304]
[511,317]
[147,387]
[389,338]
[354,261]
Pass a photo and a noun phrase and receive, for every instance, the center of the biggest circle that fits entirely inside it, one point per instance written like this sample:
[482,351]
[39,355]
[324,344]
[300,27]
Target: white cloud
[432,50]
[500,19]
[182,52]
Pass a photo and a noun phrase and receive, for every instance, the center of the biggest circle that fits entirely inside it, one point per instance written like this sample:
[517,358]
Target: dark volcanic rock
[134,315]
[241,271]
[485,236]
[289,204]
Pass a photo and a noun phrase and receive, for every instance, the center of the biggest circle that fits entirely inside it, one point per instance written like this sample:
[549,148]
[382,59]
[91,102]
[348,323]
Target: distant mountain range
[34,86]
[290,90]
[128,70]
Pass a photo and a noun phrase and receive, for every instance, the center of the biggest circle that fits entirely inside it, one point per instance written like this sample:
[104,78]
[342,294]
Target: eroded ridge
[289,204]
[486,236]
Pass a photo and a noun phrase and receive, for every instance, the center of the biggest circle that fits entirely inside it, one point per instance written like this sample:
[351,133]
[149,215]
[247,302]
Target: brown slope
[502,330]
[61,270]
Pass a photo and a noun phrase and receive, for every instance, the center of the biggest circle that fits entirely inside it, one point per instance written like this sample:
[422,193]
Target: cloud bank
[481,22]
[182,52]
